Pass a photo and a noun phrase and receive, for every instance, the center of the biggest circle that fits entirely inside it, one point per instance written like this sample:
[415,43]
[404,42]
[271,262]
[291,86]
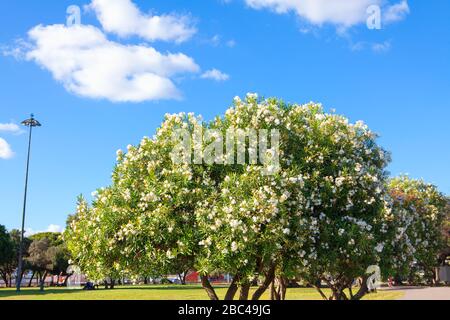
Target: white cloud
[377,47]
[54,228]
[5,150]
[51,228]
[10,128]
[396,12]
[16,51]
[231,43]
[381,46]
[216,75]
[342,13]
[124,18]
[90,65]
[215,41]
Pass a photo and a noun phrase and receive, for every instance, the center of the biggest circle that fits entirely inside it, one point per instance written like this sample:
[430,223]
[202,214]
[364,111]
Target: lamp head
[32,122]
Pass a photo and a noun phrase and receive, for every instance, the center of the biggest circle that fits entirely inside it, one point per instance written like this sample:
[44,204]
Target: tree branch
[363,290]
[270,276]
[231,292]
[209,288]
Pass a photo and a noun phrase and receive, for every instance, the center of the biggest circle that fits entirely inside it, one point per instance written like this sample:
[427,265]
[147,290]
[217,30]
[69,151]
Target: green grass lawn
[160,293]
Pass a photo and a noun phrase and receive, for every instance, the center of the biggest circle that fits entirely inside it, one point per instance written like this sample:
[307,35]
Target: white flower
[285,196]
[170,255]
[234,223]
[234,247]
[252,96]
[340,181]
[287,231]
[379,248]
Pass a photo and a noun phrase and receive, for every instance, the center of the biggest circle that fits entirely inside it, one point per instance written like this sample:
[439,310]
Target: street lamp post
[31,123]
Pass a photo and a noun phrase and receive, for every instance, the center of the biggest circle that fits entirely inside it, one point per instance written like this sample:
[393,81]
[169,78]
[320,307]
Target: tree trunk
[267,281]
[433,277]
[283,288]
[185,274]
[398,280]
[31,280]
[5,279]
[67,279]
[363,290]
[42,282]
[182,277]
[209,288]
[319,289]
[350,290]
[276,289]
[231,292]
[318,284]
[339,294]
[273,296]
[21,276]
[245,290]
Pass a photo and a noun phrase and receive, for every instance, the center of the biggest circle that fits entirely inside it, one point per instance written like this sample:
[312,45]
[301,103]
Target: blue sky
[396,79]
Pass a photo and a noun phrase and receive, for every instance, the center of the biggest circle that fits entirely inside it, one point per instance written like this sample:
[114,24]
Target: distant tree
[418,215]
[40,260]
[182,268]
[445,252]
[7,256]
[54,238]
[56,256]
[60,258]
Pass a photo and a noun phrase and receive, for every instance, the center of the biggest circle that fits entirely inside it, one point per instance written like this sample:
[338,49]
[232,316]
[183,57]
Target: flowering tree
[339,201]
[312,204]
[445,252]
[86,239]
[144,223]
[418,213]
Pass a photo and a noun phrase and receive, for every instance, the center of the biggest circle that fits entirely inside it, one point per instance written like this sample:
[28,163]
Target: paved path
[424,293]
